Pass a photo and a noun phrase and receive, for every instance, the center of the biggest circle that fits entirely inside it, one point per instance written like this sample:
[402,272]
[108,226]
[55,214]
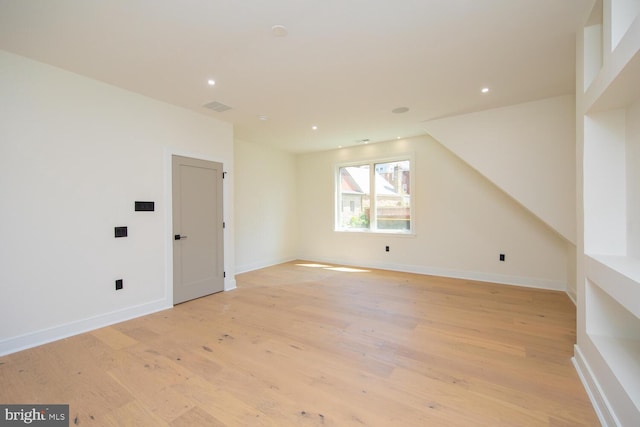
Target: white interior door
[198,267]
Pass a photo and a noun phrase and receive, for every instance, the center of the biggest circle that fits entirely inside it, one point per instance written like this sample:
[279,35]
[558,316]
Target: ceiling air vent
[217,106]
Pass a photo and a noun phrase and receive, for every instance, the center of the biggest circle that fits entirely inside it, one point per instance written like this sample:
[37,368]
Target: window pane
[393,196]
[355,201]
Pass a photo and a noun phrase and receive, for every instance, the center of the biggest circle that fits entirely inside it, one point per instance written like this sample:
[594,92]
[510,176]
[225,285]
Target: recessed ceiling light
[400,110]
[314,127]
[211,82]
[263,117]
[485,90]
[279,31]
[397,137]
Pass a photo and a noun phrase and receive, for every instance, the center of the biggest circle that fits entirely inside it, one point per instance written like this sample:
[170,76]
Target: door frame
[229,280]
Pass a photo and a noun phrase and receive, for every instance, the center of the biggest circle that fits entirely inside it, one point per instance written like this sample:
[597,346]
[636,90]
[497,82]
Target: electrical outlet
[119,284]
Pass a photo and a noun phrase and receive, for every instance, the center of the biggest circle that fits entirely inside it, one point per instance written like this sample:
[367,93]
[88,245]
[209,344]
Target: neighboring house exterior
[392,189]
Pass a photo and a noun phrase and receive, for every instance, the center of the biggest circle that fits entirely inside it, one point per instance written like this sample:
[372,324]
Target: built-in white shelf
[610,105]
[619,277]
[623,12]
[617,84]
[611,326]
[593,48]
[622,356]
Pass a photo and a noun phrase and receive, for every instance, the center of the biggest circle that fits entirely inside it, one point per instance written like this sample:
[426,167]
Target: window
[374,196]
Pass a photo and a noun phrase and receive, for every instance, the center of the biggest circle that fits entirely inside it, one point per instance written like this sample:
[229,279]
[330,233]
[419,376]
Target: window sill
[377,232]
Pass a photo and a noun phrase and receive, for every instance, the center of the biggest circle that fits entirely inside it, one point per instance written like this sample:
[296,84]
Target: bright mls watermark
[34,415]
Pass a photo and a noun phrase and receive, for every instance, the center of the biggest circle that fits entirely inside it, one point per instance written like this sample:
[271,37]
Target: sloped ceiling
[526,150]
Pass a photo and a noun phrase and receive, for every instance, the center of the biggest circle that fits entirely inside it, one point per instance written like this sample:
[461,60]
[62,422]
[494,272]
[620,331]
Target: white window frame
[372,162]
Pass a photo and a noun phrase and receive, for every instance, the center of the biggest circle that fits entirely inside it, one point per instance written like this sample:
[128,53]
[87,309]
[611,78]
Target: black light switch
[121,231]
[145,206]
[119,284]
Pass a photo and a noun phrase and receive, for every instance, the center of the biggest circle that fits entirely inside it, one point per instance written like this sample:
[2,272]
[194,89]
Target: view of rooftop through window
[375,197]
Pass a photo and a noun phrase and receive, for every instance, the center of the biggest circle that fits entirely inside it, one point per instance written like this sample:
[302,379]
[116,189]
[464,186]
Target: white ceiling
[343,67]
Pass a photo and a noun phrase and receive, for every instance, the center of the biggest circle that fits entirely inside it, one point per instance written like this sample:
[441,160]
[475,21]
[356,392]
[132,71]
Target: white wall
[604,183]
[528,150]
[633,179]
[74,156]
[462,222]
[265,206]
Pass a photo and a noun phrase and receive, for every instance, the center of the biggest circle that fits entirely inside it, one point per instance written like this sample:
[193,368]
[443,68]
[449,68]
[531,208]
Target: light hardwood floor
[304,345]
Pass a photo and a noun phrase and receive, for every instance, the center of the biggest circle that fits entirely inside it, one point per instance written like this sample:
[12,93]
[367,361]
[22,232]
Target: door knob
[179,237]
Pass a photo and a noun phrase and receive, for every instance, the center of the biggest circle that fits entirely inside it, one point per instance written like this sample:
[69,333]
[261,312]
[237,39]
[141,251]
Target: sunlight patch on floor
[347,269]
[314,265]
[329,267]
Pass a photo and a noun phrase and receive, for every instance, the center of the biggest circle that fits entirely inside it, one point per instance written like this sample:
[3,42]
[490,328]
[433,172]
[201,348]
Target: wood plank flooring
[304,345]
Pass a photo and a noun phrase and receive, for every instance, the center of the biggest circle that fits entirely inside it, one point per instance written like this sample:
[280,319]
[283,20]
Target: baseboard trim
[262,264]
[529,282]
[229,284]
[34,339]
[593,389]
